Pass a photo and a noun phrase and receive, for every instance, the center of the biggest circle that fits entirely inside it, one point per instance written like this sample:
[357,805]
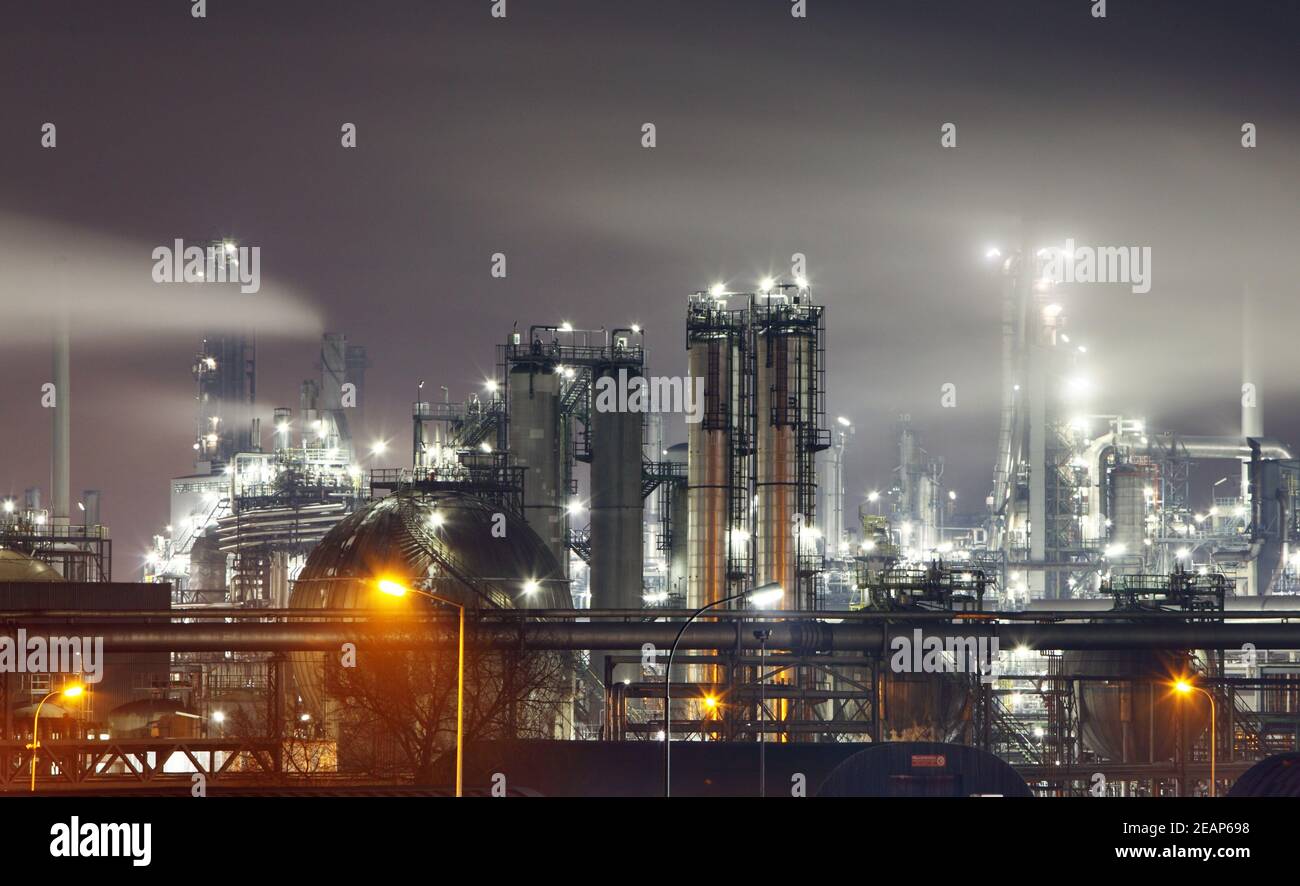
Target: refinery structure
[314,596]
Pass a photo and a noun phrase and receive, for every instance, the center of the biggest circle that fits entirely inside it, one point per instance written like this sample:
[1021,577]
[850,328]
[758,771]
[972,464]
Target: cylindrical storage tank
[923,769]
[1128,712]
[537,444]
[1276,776]
[783,390]
[616,504]
[713,354]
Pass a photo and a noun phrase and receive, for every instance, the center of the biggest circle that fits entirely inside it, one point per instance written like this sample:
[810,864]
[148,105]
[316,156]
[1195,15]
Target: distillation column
[617,509]
[717,506]
[538,444]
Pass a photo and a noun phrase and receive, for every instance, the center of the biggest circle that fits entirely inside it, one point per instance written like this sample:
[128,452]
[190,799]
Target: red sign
[932,761]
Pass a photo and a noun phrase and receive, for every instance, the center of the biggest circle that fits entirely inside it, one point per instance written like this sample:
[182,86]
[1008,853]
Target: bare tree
[398,709]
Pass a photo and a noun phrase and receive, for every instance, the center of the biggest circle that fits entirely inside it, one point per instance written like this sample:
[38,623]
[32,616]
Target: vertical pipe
[62,437]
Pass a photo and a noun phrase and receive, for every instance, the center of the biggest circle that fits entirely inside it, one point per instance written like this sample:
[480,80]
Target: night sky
[775,135]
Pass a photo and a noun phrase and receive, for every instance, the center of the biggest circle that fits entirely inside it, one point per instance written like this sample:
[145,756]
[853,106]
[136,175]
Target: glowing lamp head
[73,691]
[1182,687]
[532,587]
[391,588]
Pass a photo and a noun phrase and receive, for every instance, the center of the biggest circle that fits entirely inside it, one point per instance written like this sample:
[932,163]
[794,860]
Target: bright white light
[486,447]
[844,421]
[1078,386]
[436,519]
[230,470]
[766,284]
[230,248]
[636,330]
[868,545]
[218,716]
[801,282]
[1052,311]
[1082,349]
[354,472]
[717,290]
[873,496]
[952,495]
[1115,550]
[531,587]
[575,508]
[993,252]
[491,385]
[379,447]
[1183,553]
[766,595]
[1065,338]
[566,326]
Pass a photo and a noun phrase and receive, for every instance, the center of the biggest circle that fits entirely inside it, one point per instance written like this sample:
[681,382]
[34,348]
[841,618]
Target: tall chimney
[62,437]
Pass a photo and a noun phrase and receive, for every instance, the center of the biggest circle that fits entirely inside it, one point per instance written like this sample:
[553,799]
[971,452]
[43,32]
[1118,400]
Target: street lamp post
[67,692]
[396,589]
[758,597]
[1184,687]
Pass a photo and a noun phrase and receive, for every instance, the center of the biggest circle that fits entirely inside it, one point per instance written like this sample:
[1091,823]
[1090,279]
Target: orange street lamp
[71,691]
[1185,687]
[397,589]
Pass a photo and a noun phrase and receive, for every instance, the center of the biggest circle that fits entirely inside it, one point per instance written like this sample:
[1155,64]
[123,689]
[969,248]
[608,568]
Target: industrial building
[556,526]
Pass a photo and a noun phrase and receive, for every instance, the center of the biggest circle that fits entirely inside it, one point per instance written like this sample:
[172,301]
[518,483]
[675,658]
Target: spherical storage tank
[1129,712]
[924,707]
[409,538]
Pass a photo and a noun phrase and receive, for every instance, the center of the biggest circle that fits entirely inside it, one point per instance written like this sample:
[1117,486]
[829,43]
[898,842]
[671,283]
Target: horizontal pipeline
[798,636]
[14,616]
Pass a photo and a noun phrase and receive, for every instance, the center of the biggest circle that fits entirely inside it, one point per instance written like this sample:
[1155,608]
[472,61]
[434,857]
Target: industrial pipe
[798,636]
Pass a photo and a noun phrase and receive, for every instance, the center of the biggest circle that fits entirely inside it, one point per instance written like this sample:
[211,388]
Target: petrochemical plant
[580,534]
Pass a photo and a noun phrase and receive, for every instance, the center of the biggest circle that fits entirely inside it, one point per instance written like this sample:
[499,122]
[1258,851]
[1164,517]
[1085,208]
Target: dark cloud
[522,136]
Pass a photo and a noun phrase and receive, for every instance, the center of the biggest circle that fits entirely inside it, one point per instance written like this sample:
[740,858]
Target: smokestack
[62,437]
[1252,409]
